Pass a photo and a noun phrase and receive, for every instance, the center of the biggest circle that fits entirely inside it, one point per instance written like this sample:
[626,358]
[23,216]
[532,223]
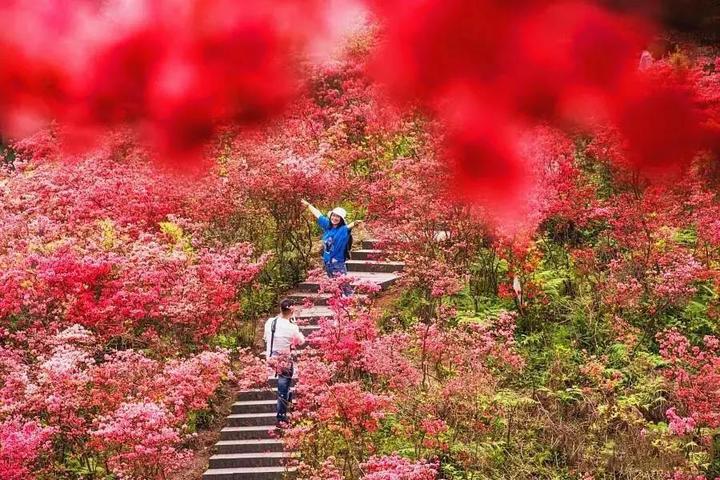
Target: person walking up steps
[337,240]
[281,334]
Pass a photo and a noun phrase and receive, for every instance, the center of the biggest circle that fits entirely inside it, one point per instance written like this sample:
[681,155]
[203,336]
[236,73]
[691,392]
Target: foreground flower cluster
[121,412]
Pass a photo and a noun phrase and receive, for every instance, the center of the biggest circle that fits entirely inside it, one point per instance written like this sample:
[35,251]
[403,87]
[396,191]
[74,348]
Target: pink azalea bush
[693,370]
[135,409]
[111,296]
[140,441]
[395,467]
[356,384]
[23,443]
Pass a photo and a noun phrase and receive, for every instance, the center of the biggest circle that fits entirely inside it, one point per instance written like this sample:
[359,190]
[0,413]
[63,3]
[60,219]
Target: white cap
[339,211]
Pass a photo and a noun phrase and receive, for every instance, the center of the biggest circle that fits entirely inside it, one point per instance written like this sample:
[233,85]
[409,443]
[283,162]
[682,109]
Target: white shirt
[285,333]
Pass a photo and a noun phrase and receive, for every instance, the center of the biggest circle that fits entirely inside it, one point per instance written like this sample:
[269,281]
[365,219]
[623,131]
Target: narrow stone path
[248,449]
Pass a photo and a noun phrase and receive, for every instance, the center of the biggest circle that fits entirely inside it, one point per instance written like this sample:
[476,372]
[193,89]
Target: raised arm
[314,210]
[354,224]
[298,338]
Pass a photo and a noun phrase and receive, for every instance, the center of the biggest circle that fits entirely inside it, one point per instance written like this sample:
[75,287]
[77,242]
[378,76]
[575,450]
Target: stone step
[374,266]
[383,279]
[273,381]
[243,460]
[255,406]
[370,244]
[251,419]
[308,330]
[316,298]
[367,254]
[311,322]
[255,394]
[315,312]
[309,287]
[250,446]
[247,433]
[319,299]
[249,473]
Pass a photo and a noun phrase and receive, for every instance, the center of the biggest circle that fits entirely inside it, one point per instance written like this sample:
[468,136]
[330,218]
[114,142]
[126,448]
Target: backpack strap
[272,335]
[272,338]
[348,246]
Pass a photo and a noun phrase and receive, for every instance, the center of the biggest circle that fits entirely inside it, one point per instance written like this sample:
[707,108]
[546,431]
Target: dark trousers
[283,396]
[336,269]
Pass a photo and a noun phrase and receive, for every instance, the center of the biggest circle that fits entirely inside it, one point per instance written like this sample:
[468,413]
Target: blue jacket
[335,240]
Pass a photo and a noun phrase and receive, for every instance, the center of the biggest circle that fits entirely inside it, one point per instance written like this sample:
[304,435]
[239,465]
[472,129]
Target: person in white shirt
[281,334]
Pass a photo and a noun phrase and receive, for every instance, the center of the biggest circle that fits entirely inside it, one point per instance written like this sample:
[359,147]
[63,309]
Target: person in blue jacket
[336,237]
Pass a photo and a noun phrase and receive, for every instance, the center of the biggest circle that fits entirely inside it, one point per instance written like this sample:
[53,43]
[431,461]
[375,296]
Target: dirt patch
[387,298]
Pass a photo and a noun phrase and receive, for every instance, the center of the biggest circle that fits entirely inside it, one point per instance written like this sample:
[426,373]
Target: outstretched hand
[312,209]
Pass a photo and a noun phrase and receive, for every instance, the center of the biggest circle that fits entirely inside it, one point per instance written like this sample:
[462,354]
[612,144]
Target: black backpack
[348,247]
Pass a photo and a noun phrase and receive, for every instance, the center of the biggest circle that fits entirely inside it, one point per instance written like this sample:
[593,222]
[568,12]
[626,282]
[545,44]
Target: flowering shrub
[22,444]
[395,467]
[407,377]
[134,408]
[680,425]
[140,441]
[694,370]
[356,411]
[86,256]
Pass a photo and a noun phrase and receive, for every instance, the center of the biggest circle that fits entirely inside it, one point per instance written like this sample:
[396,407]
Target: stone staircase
[248,448]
